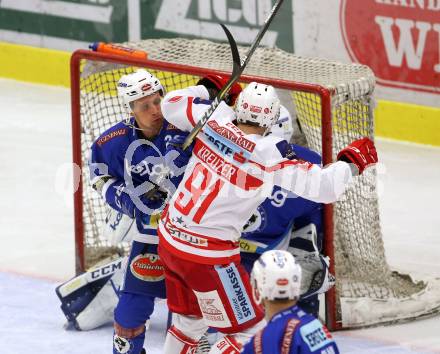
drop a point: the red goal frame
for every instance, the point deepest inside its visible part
(324, 93)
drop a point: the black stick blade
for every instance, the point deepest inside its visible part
(234, 51)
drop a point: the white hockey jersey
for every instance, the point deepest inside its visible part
(229, 174)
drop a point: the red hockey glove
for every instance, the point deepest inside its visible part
(214, 83)
(360, 152)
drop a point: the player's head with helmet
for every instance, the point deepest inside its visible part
(258, 105)
(283, 127)
(276, 277)
(141, 94)
(214, 83)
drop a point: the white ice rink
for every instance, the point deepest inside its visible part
(36, 228)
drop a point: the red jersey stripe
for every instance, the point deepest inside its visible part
(282, 165)
(189, 113)
(193, 257)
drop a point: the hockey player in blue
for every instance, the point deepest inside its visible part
(125, 163)
(276, 281)
(285, 221)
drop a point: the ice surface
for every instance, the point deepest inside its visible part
(36, 228)
(32, 322)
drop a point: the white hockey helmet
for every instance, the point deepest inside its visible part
(134, 86)
(276, 276)
(283, 127)
(258, 104)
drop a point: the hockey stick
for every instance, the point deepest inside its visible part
(235, 54)
(236, 72)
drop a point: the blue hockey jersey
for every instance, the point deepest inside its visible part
(271, 224)
(292, 331)
(128, 162)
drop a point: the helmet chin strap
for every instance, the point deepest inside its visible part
(130, 125)
(127, 122)
(267, 131)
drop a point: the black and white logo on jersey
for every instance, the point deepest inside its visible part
(257, 221)
(122, 345)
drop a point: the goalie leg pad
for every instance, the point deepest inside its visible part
(100, 309)
(316, 277)
(88, 299)
(144, 272)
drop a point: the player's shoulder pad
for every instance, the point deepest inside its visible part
(286, 150)
(306, 154)
(115, 131)
(265, 150)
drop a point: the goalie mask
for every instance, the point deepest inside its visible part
(259, 105)
(134, 86)
(276, 276)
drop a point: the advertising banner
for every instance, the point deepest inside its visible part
(398, 39)
(70, 24)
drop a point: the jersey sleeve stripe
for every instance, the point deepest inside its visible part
(286, 343)
(189, 113)
(282, 165)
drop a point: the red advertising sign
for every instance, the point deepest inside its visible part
(398, 39)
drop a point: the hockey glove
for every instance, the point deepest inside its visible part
(214, 83)
(362, 153)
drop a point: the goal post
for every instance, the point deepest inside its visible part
(333, 106)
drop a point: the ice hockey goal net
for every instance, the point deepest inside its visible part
(333, 105)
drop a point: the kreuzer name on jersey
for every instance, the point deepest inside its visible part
(215, 162)
(220, 166)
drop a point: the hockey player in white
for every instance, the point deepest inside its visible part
(231, 171)
(276, 282)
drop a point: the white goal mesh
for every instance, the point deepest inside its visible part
(367, 291)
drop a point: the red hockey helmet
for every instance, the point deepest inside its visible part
(217, 82)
